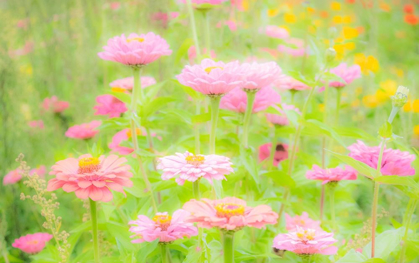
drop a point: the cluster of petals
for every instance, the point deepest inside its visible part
(347, 73)
(54, 105)
(32, 243)
(118, 139)
(281, 152)
(236, 100)
(83, 131)
(163, 227)
(12, 177)
(126, 84)
(302, 221)
(229, 213)
(289, 83)
(394, 162)
(109, 105)
(260, 75)
(295, 47)
(91, 177)
(281, 118)
(275, 32)
(135, 50)
(331, 175)
(189, 167)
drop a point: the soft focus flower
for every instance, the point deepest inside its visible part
(416, 130)
(281, 118)
(306, 241)
(12, 177)
(411, 106)
(192, 54)
(91, 177)
(39, 124)
(122, 85)
(135, 50)
(275, 32)
(40, 171)
(259, 75)
(281, 152)
(189, 167)
(229, 213)
(236, 100)
(32, 243)
(411, 19)
(409, 8)
(54, 105)
(295, 47)
(394, 162)
(348, 74)
(109, 105)
(83, 131)
(210, 77)
(303, 221)
(289, 83)
(119, 138)
(164, 18)
(163, 227)
(332, 174)
(367, 63)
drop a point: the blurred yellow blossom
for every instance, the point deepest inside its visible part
(273, 12)
(387, 89)
(385, 7)
(416, 130)
(290, 18)
(346, 19)
(26, 69)
(310, 10)
(337, 19)
(370, 101)
(350, 32)
(411, 106)
(367, 64)
(356, 103)
(335, 6)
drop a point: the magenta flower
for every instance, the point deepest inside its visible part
(125, 84)
(348, 74)
(12, 177)
(229, 213)
(259, 75)
(394, 162)
(32, 243)
(306, 241)
(91, 177)
(135, 50)
(162, 227)
(236, 100)
(54, 105)
(295, 47)
(302, 221)
(189, 167)
(289, 83)
(331, 175)
(275, 32)
(281, 152)
(211, 78)
(109, 105)
(83, 131)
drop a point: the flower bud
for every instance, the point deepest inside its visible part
(330, 54)
(400, 98)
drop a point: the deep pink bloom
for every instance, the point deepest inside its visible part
(260, 75)
(54, 105)
(303, 221)
(281, 118)
(306, 241)
(135, 50)
(236, 100)
(281, 152)
(91, 177)
(192, 54)
(83, 131)
(211, 78)
(348, 74)
(162, 227)
(128, 83)
(331, 175)
(189, 167)
(394, 162)
(32, 243)
(12, 177)
(40, 171)
(289, 83)
(229, 213)
(109, 105)
(275, 32)
(39, 124)
(294, 48)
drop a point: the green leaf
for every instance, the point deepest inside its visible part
(386, 131)
(361, 167)
(375, 260)
(201, 118)
(385, 243)
(395, 180)
(323, 130)
(281, 178)
(155, 105)
(352, 256)
(124, 97)
(249, 163)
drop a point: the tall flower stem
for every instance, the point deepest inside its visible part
(273, 149)
(251, 94)
(207, 32)
(228, 243)
(193, 25)
(196, 129)
(93, 215)
(338, 100)
(215, 105)
(322, 203)
(196, 192)
(324, 144)
(332, 205)
(165, 253)
(411, 207)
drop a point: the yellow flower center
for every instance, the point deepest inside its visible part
(163, 221)
(306, 234)
(209, 69)
(32, 242)
(139, 39)
(118, 89)
(195, 159)
(229, 210)
(88, 165)
(137, 131)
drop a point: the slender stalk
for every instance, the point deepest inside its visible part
(93, 216)
(165, 253)
(149, 139)
(207, 33)
(193, 25)
(196, 129)
(215, 104)
(410, 211)
(196, 192)
(332, 206)
(5, 257)
(322, 203)
(393, 114)
(228, 242)
(251, 94)
(338, 99)
(273, 150)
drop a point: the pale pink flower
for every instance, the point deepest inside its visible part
(128, 83)
(259, 75)
(115, 5)
(394, 162)
(40, 171)
(281, 118)
(281, 152)
(163, 227)
(84, 130)
(12, 177)
(39, 124)
(32, 243)
(192, 54)
(229, 213)
(135, 50)
(211, 78)
(294, 48)
(54, 105)
(331, 175)
(164, 18)
(109, 105)
(275, 32)
(303, 221)
(289, 83)
(189, 167)
(306, 241)
(348, 74)
(91, 177)
(236, 100)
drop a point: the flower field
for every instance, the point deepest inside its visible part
(209, 131)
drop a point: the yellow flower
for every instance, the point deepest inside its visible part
(370, 101)
(387, 89)
(416, 130)
(318, 22)
(350, 32)
(245, 5)
(355, 103)
(273, 12)
(335, 6)
(340, 50)
(385, 7)
(367, 64)
(290, 18)
(411, 106)
(350, 46)
(346, 19)
(337, 19)
(26, 69)
(310, 10)
(321, 107)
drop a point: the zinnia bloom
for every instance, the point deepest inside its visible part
(289, 83)
(135, 50)
(32, 243)
(331, 175)
(229, 213)
(275, 32)
(119, 138)
(306, 241)
(348, 74)
(394, 162)
(54, 105)
(236, 100)
(125, 84)
(211, 78)
(163, 227)
(109, 105)
(40, 171)
(281, 152)
(91, 177)
(189, 167)
(302, 221)
(259, 75)
(294, 48)
(83, 131)
(12, 177)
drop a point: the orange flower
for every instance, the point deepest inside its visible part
(411, 19)
(409, 8)
(370, 101)
(350, 1)
(324, 14)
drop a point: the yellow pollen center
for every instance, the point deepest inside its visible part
(209, 69)
(195, 159)
(89, 164)
(137, 131)
(118, 89)
(163, 221)
(229, 210)
(306, 234)
(32, 242)
(139, 39)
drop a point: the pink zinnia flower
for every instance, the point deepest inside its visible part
(135, 50)
(229, 213)
(294, 48)
(306, 241)
(281, 118)
(164, 18)
(124, 84)
(192, 54)
(109, 105)
(259, 75)
(302, 221)
(91, 177)
(40, 171)
(394, 162)
(39, 124)
(163, 227)
(289, 83)
(12, 177)
(189, 167)
(236, 100)
(32, 243)
(54, 105)
(281, 152)
(211, 78)
(331, 175)
(275, 32)
(119, 138)
(348, 74)
(83, 131)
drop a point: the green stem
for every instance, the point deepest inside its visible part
(215, 104)
(338, 99)
(228, 247)
(410, 211)
(393, 114)
(193, 25)
(196, 129)
(332, 206)
(322, 203)
(207, 33)
(273, 150)
(251, 94)
(93, 216)
(196, 192)
(149, 139)
(165, 253)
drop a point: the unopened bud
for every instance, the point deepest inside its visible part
(400, 98)
(330, 54)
